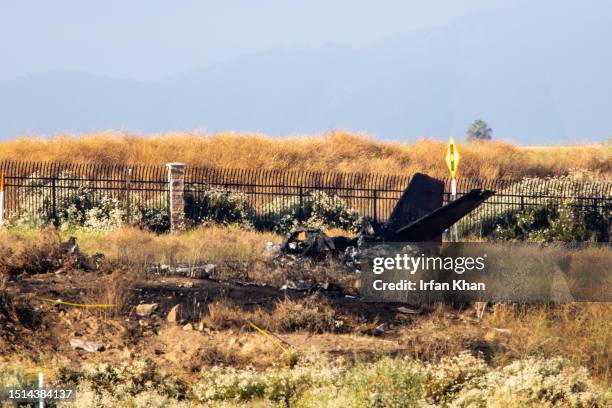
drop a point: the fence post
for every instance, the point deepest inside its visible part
(128, 198)
(301, 211)
(595, 214)
(375, 195)
(54, 194)
(176, 183)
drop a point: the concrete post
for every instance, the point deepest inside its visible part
(176, 182)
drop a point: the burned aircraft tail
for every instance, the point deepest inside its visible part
(423, 195)
(430, 226)
(419, 214)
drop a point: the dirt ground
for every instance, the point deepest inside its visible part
(212, 328)
(46, 329)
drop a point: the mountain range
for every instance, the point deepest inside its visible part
(538, 74)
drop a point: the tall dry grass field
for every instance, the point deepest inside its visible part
(337, 151)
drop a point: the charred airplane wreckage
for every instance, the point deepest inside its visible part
(419, 216)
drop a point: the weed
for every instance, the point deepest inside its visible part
(313, 314)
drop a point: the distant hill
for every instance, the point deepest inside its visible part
(538, 76)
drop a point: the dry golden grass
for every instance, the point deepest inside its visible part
(113, 290)
(313, 314)
(337, 151)
(579, 332)
(135, 248)
(28, 251)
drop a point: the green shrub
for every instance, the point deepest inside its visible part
(13, 376)
(80, 208)
(566, 222)
(390, 382)
(532, 383)
(318, 381)
(318, 210)
(280, 385)
(151, 217)
(219, 205)
(444, 380)
(531, 209)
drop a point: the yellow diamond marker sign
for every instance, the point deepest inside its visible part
(452, 158)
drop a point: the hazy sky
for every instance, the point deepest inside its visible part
(536, 70)
(150, 39)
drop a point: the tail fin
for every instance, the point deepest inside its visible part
(423, 195)
(430, 226)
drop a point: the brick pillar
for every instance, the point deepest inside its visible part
(176, 182)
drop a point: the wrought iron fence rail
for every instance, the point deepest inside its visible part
(308, 193)
(372, 195)
(98, 187)
(542, 198)
(204, 184)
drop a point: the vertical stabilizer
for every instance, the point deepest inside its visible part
(423, 195)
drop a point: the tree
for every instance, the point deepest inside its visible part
(479, 130)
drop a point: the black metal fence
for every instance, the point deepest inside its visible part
(46, 188)
(46, 185)
(271, 191)
(590, 199)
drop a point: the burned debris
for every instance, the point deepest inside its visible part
(419, 216)
(315, 243)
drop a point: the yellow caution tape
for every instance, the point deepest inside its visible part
(274, 340)
(59, 302)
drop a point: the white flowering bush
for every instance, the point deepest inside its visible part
(444, 380)
(532, 383)
(151, 216)
(87, 398)
(79, 211)
(124, 381)
(36, 203)
(27, 219)
(533, 210)
(11, 376)
(219, 205)
(466, 381)
(280, 385)
(77, 206)
(105, 215)
(317, 210)
(564, 221)
(318, 381)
